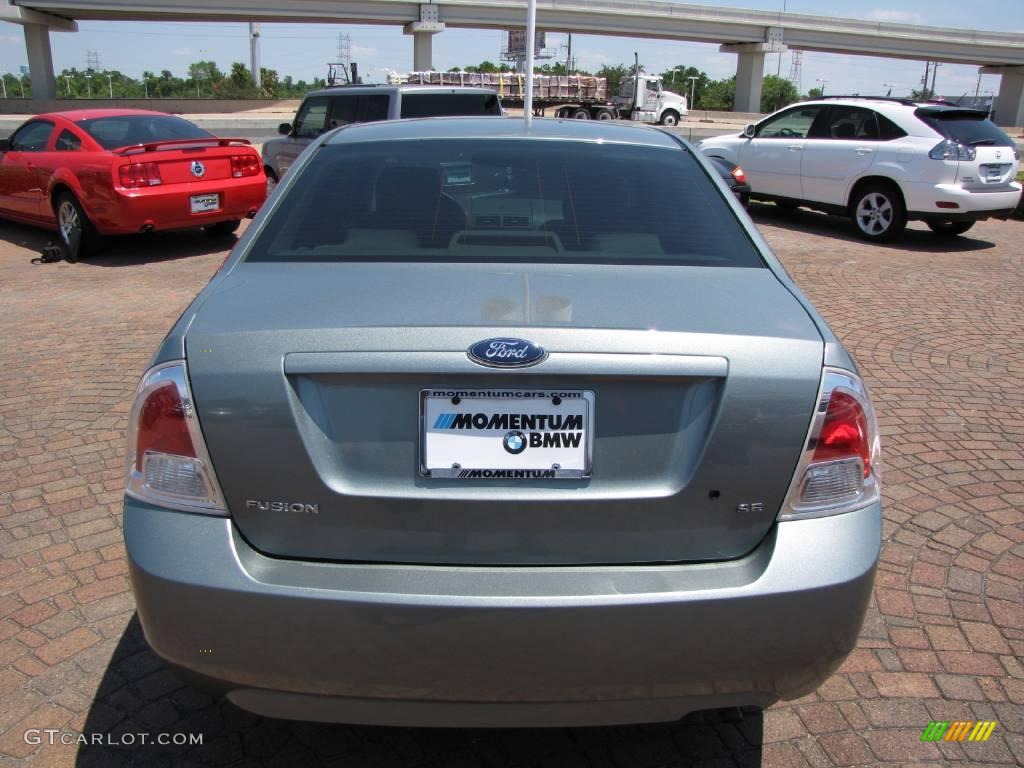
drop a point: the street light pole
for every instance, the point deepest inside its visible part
(3, 82)
(88, 85)
(21, 84)
(110, 85)
(693, 82)
(67, 79)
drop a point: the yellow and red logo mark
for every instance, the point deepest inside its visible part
(958, 730)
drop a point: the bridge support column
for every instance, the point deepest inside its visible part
(423, 32)
(40, 61)
(750, 69)
(1009, 111)
(749, 78)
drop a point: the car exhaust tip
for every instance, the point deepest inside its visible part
(147, 228)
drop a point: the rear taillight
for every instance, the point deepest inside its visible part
(739, 175)
(167, 460)
(952, 150)
(839, 466)
(244, 165)
(139, 175)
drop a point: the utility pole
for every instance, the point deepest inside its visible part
(568, 57)
(345, 55)
(822, 81)
(978, 86)
(254, 53)
(3, 82)
(21, 84)
(924, 82)
(935, 71)
(693, 84)
(92, 60)
(145, 84)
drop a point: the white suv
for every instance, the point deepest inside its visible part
(879, 161)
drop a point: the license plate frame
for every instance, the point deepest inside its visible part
(491, 458)
(204, 203)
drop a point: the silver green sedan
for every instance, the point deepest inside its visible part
(487, 425)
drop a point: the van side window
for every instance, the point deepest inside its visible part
(343, 110)
(312, 118)
(373, 107)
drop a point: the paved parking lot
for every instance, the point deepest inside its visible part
(937, 325)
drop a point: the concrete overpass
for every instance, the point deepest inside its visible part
(749, 34)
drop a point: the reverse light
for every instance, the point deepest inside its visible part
(839, 467)
(167, 460)
(139, 175)
(244, 165)
(952, 150)
(739, 175)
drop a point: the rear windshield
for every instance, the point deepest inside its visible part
(126, 130)
(501, 201)
(967, 128)
(449, 104)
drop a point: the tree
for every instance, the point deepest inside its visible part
(922, 95)
(677, 80)
(776, 93)
(815, 93)
(719, 95)
(270, 85)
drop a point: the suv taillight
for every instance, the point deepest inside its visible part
(244, 165)
(952, 150)
(140, 175)
(839, 467)
(167, 460)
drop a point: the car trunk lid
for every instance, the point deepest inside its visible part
(308, 381)
(190, 161)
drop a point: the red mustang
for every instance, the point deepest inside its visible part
(94, 172)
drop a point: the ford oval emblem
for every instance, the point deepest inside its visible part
(506, 353)
(198, 169)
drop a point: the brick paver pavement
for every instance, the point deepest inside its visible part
(937, 326)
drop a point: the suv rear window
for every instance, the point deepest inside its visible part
(125, 130)
(506, 200)
(449, 104)
(966, 127)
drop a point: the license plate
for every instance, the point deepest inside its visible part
(994, 172)
(506, 434)
(204, 203)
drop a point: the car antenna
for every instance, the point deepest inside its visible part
(531, 35)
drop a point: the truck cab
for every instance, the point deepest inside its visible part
(643, 99)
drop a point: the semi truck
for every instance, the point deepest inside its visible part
(641, 98)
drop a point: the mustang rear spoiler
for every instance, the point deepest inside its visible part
(151, 146)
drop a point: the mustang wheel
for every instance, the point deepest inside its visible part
(950, 228)
(878, 212)
(75, 227)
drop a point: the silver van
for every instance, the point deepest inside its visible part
(333, 107)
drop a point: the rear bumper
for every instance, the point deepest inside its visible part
(168, 207)
(468, 646)
(922, 202)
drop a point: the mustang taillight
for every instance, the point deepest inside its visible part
(244, 165)
(139, 175)
(739, 175)
(839, 466)
(168, 463)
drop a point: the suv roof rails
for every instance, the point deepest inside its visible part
(894, 99)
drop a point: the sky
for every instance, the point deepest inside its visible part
(303, 50)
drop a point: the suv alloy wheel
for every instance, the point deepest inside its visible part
(878, 212)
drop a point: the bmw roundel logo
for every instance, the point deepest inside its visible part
(514, 442)
(506, 353)
(198, 169)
